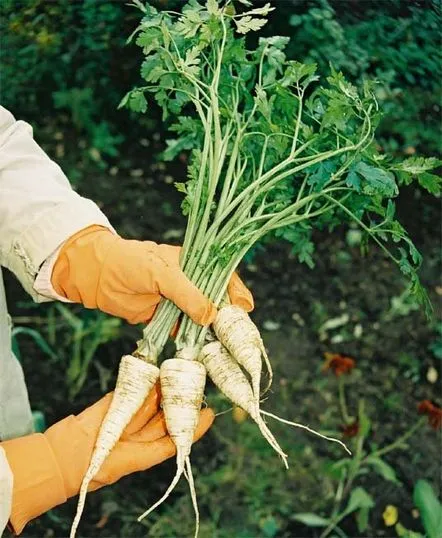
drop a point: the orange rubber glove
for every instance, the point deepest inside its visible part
(127, 278)
(48, 468)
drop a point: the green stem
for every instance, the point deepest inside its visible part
(353, 471)
(229, 174)
(332, 525)
(195, 209)
(400, 440)
(342, 400)
(268, 181)
(298, 124)
(363, 226)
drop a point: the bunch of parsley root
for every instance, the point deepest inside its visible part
(271, 151)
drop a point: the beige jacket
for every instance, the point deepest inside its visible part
(38, 212)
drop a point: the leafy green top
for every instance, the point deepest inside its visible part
(271, 150)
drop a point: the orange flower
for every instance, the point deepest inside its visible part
(350, 430)
(339, 364)
(433, 412)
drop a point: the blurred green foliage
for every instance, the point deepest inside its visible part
(66, 63)
(62, 63)
(397, 43)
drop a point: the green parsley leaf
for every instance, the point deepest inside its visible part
(430, 182)
(136, 101)
(248, 24)
(377, 180)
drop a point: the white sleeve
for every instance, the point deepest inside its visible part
(38, 208)
(6, 483)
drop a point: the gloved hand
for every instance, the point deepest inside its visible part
(48, 468)
(127, 278)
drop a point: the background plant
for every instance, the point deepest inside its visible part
(395, 42)
(353, 499)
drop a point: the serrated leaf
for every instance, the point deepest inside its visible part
(248, 24)
(189, 24)
(166, 34)
(264, 10)
(212, 7)
(138, 4)
(276, 59)
(264, 104)
(148, 40)
(416, 256)
(430, 182)
(391, 209)
(168, 80)
(176, 146)
(339, 110)
(124, 101)
(305, 254)
(192, 6)
(137, 102)
(417, 165)
(192, 56)
(277, 41)
(300, 237)
(162, 99)
(312, 520)
(353, 180)
(404, 265)
(191, 62)
(377, 180)
(176, 104)
(298, 73)
(155, 74)
(397, 230)
(338, 80)
(180, 187)
(320, 174)
(150, 64)
(185, 124)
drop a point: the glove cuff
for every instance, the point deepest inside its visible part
(38, 483)
(77, 270)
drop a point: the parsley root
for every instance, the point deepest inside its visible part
(232, 382)
(135, 380)
(237, 332)
(182, 388)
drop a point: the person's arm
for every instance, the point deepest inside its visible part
(39, 213)
(38, 208)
